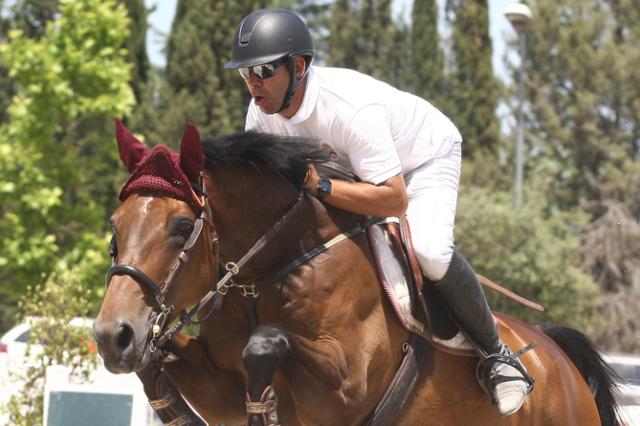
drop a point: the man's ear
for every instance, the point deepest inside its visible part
(301, 66)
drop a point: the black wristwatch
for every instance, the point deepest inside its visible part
(323, 189)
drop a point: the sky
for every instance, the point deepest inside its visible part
(500, 29)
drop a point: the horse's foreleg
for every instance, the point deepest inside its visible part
(216, 394)
(165, 399)
(267, 348)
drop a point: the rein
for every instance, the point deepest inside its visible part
(221, 287)
(159, 333)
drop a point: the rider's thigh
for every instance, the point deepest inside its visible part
(433, 195)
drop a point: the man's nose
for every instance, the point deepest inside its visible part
(254, 80)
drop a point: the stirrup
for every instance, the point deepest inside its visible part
(484, 367)
(266, 408)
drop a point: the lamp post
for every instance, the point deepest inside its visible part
(520, 17)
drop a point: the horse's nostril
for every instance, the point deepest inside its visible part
(124, 336)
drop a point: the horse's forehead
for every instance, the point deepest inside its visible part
(151, 210)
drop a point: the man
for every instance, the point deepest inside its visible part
(406, 152)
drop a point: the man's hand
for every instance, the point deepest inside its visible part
(311, 180)
(388, 198)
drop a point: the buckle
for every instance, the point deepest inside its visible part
(248, 290)
(223, 289)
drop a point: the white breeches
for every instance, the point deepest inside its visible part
(433, 195)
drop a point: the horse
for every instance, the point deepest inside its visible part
(312, 343)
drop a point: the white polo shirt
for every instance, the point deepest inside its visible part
(376, 130)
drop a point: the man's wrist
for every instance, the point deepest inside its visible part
(323, 188)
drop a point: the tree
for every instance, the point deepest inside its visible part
(137, 45)
(427, 57)
(399, 63)
(195, 85)
(64, 343)
(363, 37)
(32, 16)
(57, 159)
(583, 111)
(317, 14)
(342, 50)
(473, 87)
(533, 251)
(584, 124)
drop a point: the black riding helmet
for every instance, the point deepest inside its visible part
(268, 35)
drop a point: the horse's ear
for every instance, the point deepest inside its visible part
(131, 149)
(191, 156)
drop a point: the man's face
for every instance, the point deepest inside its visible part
(268, 93)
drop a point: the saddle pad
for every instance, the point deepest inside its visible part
(393, 277)
(393, 273)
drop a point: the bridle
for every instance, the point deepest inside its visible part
(159, 331)
(162, 311)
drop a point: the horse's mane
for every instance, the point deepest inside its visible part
(287, 155)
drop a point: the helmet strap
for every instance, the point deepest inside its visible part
(293, 83)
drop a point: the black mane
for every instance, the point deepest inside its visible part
(287, 155)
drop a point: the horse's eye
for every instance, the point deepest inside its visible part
(185, 227)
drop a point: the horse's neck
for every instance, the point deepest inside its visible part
(247, 203)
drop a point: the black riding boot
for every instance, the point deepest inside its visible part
(466, 301)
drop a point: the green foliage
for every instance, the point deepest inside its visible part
(32, 16)
(473, 86)
(344, 27)
(534, 251)
(584, 95)
(62, 343)
(196, 87)
(136, 45)
(56, 155)
(318, 16)
(427, 57)
(364, 37)
(584, 126)
(610, 252)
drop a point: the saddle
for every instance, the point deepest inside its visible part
(401, 277)
(413, 300)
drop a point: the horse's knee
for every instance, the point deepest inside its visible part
(267, 344)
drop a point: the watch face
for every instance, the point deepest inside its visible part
(324, 188)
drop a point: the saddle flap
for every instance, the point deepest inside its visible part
(402, 281)
(393, 271)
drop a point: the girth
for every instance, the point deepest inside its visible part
(403, 382)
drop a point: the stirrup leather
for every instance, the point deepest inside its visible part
(483, 370)
(266, 408)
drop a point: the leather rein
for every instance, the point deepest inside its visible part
(159, 332)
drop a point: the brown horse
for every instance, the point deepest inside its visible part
(324, 339)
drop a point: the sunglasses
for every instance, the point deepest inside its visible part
(261, 71)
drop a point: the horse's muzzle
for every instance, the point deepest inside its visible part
(121, 348)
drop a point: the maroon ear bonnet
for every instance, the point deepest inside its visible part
(158, 171)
